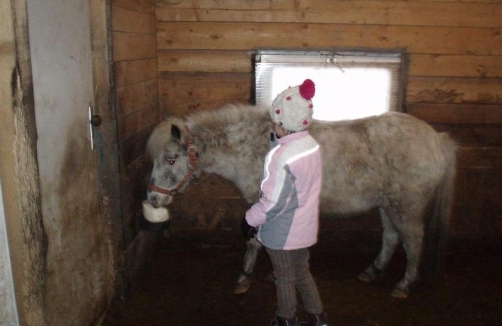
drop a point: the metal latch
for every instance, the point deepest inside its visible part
(94, 122)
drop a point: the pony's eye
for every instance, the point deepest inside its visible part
(170, 161)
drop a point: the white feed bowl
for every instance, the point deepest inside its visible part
(155, 215)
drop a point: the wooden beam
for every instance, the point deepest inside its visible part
(183, 94)
(130, 46)
(457, 113)
(204, 61)
(138, 120)
(135, 71)
(474, 135)
(137, 5)
(143, 22)
(248, 36)
(435, 65)
(136, 97)
(454, 90)
(342, 12)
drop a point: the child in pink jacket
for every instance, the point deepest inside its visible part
(287, 214)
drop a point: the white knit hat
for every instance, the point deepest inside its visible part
(292, 109)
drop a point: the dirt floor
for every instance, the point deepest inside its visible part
(191, 280)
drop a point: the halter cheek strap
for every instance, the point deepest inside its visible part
(192, 167)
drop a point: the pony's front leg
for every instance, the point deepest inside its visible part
(244, 281)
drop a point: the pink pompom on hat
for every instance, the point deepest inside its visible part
(292, 109)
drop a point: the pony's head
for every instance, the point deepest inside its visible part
(174, 157)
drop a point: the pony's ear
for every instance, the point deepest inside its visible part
(175, 133)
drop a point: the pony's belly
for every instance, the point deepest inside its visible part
(344, 207)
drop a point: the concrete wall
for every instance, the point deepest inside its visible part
(79, 271)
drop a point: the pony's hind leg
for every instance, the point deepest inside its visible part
(390, 240)
(407, 226)
(244, 280)
(413, 236)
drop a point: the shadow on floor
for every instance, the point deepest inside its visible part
(191, 282)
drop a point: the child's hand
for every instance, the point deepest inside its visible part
(247, 230)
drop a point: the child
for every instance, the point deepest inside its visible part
(287, 214)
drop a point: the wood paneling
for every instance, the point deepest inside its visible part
(346, 12)
(433, 65)
(135, 66)
(248, 36)
(428, 65)
(185, 93)
(472, 134)
(286, 4)
(130, 46)
(122, 18)
(138, 120)
(205, 61)
(454, 90)
(135, 71)
(136, 97)
(481, 114)
(144, 6)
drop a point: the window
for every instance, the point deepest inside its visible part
(349, 84)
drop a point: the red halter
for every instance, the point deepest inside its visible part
(192, 167)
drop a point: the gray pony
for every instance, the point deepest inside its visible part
(393, 162)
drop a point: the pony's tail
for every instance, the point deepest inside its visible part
(441, 215)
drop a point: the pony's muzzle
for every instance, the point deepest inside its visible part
(159, 200)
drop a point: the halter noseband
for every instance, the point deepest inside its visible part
(192, 167)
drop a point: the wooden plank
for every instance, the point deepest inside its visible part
(181, 107)
(138, 120)
(136, 97)
(454, 90)
(281, 4)
(128, 46)
(135, 71)
(347, 12)
(134, 182)
(477, 208)
(419, 64)
(133, 148)
(473, 134)
(246, 36)
(137, 5)
(206, 86)
(183, 94)
(480, 157)
(204, 61)
(228, 4)
(457, 113)
(130, 21)
(455, 65)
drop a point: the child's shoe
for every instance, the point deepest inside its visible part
(279, 321)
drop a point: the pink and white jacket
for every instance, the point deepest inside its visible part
(287, 212)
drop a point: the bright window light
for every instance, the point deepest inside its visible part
(354, 86)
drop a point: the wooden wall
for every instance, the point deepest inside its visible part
(135, 80)
(454, 54)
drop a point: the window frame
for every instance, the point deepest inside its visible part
(271, 58)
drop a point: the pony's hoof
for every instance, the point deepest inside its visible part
(241, 288)
(400, 293)
(365, 277)
(243, 284)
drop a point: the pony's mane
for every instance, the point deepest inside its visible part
(229, 114)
